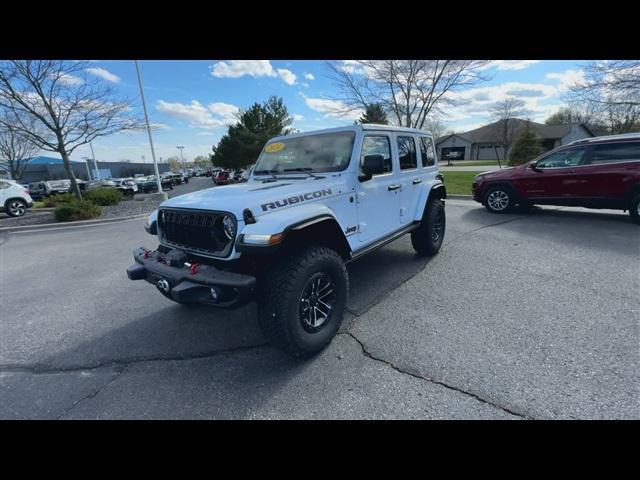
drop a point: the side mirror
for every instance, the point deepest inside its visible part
(534, 166)
(372, 165)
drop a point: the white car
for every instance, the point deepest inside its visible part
(313, 202)
(14, 198)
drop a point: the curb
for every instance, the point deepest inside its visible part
(81, 223)
(459, 197)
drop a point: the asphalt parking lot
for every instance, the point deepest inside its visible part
(518, 317)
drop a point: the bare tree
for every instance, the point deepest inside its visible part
(16, 150)
(409, 90)
(612, 90)
(69, 108)
(504, 129)
(436, 127)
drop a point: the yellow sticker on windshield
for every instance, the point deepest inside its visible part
(274, 147)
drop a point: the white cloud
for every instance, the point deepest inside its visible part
(226, 111)
(199, 116)
(287, 76)
(513, 64)
(332, 108)
(67, 79)
(297, 117)
(104, 74)
(567, 78)
(239, 68)
(309, 76)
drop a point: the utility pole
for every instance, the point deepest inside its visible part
(95, 164)
(181, 147)
(161, 194)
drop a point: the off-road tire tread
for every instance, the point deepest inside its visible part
(421, 236)
(275, 296)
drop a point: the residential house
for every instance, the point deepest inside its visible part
(484, 143)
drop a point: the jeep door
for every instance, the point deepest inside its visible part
(613, 168)
(409, 175)
(378, 199)
(556, 177)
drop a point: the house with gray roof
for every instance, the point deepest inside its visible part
(484, 143)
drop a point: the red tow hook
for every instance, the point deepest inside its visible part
(147, 253)
(194, 268)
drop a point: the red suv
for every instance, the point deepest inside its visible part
(222, 178)
(600, 172)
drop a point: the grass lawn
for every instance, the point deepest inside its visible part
(473, 163)
(459, 183)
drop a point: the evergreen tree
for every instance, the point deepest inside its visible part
(374, 113)
(244, 141)
(525, 148)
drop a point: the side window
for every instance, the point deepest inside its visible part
(377, 145)
(407, 153)
(565, 158)
(616, 152)
(426, 152)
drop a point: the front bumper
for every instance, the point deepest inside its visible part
(202, 284)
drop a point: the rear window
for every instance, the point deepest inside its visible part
(616, 152)
(407, 153)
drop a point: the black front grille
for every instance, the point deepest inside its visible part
(195, 231)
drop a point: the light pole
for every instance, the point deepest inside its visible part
(95, 163)
(161, 194)
(181, 147)
(86, 164)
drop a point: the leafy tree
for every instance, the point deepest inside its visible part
(244, 141)
(374, 113)
(525, 148)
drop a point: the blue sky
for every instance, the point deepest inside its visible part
(191, 102)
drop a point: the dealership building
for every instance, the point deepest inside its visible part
(50, 168)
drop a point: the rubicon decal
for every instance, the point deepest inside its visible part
(295, 199)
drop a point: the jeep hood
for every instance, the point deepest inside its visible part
(253, 195)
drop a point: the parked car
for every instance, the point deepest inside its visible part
(246, 174)
(149, 184)
(313, 202)
(127, 186)
(44, 189)
(599, 172)
(14, 198)
(222, 178)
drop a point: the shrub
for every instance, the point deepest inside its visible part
(76, 210)
(526, 147)
(104, 196)
(58, 199)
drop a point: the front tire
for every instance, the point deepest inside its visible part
(634, 209)
(427, 238)
(16, 207)
(303, 300)
(499, 200)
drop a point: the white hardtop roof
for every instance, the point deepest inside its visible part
(355, 128)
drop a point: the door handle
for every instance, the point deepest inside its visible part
(417, 181)
(393, 187)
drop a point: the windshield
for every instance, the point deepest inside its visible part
(328, 152)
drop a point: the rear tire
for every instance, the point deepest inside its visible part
(302, 301)
(15, 207)
(499, 199)
(634, 209)
(427, 238)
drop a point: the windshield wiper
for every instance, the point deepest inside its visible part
(268, 172)
(306, 170)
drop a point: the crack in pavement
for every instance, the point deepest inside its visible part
(39, 369)
(368, 354)
(119, 371)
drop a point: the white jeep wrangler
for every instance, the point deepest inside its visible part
(313, 202)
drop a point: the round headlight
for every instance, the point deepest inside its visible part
(229, 227)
